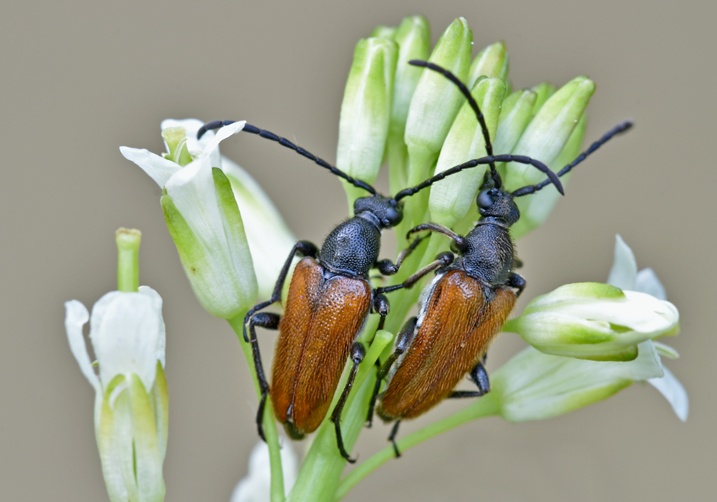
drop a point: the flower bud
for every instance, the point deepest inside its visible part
(206, 226)
(413, 37)
(515, 114)
(131, 400)
(451, 199)
(595, 321)
(535, 386)
(543, 92)
(365, 112)
(491, 62)
(544, 139)
(387, 32)
(436, 100)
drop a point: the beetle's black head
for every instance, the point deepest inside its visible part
(497, 203)
(387, 212)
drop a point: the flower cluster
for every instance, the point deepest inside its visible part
(587, 340)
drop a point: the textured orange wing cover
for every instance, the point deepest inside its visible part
(458, 326)
(320, 323)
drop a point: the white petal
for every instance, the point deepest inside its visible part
(624, 268)
(195, 146)
(674, 392)
(162, 342)
(125, 334)
(76, 316)
(647, 282)
(220, 136)
(158, 168)
(256, 487)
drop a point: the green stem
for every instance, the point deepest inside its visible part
(128, 240)
(272, 437)
(321, 471)
(486, 406)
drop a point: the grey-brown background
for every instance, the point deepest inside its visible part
(80, 79)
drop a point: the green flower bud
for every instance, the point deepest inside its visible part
(595, 321)
(491, 62)
(535, 386)
(515, 115)
(544, 139)
(365, 112)
(436, 100)
(387, 32)
(452, 199)
(413, 37)
(543, 91)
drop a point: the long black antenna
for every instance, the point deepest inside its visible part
(472, 102)
(618, 129)
(217, 124)
(521, 159)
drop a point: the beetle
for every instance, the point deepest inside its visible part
(467, 302)
(329, 300)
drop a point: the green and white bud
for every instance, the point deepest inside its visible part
(515, 115)
(595, 321)
(413, 37)
(544, 139)
(387, 32)
(436, 100)
(131, 399)
(365, 112)
(490, 62)
(535, 386)
(204, 221)
(543, 92)
(453, 198)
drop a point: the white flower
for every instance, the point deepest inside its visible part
(204, 220)
(256, 486)
(624, 274)
(131, 404)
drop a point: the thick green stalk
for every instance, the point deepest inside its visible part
(485, 406)
(128, 259)
(272, 438)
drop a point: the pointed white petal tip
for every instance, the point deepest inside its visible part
(76, 316)
(624, 268)
(671, 388)
(158, 168)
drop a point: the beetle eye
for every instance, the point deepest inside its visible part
(484, 200)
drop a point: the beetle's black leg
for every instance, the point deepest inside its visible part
(386, 267)
(381, 307)
(268, 321)
(357, 354)
(304, 248)
(517, 282)
(442, 260)
(478, 376)
(403, 341)
(392, 438)
(459, 241)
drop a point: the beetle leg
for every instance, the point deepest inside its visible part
(268, 321)
(403, 341)
(517, 282)
(381, 307)
(478, 376)
(459, 241)
(386, 267)
(305, 248)
(392, 438)
(442, 260)
(357, 354)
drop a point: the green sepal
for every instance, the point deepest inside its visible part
(148, 457)
(490, 62)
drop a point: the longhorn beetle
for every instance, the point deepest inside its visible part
(329, 301)
(468, 301)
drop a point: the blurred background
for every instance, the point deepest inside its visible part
(79, 79)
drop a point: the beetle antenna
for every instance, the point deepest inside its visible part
(217, 124)
(520, 159)
(472, 102)
(618, 129)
